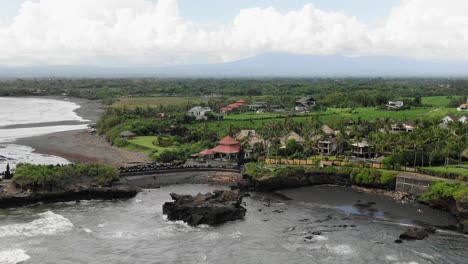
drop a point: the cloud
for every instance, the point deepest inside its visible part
(126, 32)
(427, 29)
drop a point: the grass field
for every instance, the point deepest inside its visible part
(459, 169)
(439, 101)
(256, 121)
(145, 144)
(155, 101)
(372, 113)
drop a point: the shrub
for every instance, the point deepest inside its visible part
(50, 175)
(441, 190)
(387, 177)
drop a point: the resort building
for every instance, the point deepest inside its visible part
(199, 112)
(394, 105)
(462, 108)
(234, 106)
(363, 149)
(449, 118)
(248, 139)
(228, 149)
(463, 119)
(305, 103)
(406, 126)
(327, 146)
(127, 135)
(292, 135)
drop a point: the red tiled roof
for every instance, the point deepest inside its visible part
(205, 152)
(228, 141)
(240, 101)
(226, 109)
(226, 149)
(233, 105)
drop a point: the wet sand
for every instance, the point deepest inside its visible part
(79, 145)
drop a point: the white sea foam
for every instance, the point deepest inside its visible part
(36, 110)
(9, 135)
(236, 234)
(87, 230)
(340, 249)
(48, 223)
(391, 257)
(13, 154)
(13, 256)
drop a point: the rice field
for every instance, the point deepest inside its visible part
(156, 101)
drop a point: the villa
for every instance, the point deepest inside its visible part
(327, 146)
(305, 103)
(394, 105)
(462, 108)
(199, 112)
(363, 149)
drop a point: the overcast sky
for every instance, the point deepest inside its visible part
(167, 32)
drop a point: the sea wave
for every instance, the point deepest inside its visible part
(48, 223)
(13, 256)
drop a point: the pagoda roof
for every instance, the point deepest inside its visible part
(228, 141)
(232, 149)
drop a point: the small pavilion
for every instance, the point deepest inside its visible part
(228, 148)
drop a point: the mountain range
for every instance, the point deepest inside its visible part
(266, 65)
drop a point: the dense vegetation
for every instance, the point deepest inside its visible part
(50, 176)
(444, 190)
(331, 92)
(359, 176)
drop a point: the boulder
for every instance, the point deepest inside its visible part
(417, 234)
(210, 209)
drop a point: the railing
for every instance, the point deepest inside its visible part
(161, 168)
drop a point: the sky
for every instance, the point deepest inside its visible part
(171, 32)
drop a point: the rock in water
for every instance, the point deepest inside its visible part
(417, 234)
(211, 208)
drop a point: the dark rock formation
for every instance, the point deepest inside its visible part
(18, 199)
(211, 208)
(417, 234)
(284, 182)
(457, 208)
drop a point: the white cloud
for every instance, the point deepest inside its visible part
(144, 32)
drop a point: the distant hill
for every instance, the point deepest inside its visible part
(267, 65)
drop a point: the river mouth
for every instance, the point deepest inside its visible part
(275, 230)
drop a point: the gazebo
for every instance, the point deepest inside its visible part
(204, 154)
(228, 148)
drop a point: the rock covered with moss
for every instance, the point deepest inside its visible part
(210, 209)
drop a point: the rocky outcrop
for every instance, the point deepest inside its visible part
(417, 234)
(457, 208)
(300, 180)
(211, 208)
(18, 199)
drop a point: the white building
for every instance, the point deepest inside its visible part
(199, 112)
(395, 105)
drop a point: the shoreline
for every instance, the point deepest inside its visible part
(79, 145)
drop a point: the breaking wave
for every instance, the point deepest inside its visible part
(48, 223)
(13, 256)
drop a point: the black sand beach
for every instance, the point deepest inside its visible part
(79, 145)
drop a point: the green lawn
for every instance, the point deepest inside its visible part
(459, 169)
(439, 101)
(251, 115)
(145, 144)
(373, 113)
(254, 121)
